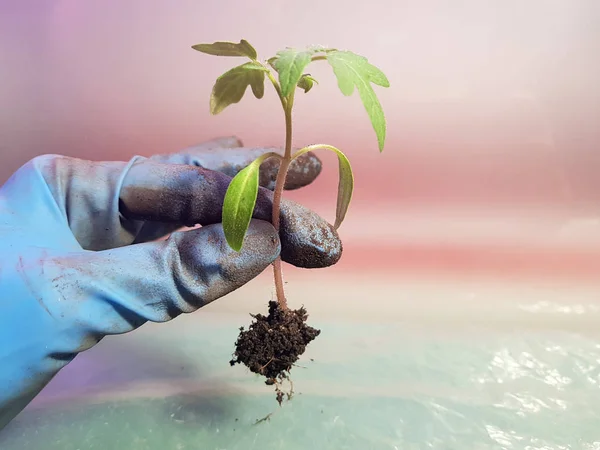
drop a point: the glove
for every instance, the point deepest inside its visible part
(80, 258)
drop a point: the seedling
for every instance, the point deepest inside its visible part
(273, 343)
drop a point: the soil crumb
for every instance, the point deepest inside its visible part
(273, 343)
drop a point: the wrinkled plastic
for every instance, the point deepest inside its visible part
(451, 365)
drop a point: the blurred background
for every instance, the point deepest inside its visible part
(492, 110)
(481, 214)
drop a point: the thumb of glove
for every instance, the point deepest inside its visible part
(68, 302)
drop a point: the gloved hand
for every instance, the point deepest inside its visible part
(80, 260)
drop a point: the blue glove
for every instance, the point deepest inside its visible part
(80, 260)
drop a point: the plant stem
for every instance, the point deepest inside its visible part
(279, 185)
(287, 104)
(283, 168)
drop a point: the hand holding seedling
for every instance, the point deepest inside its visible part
(274, 343)
(79, 258)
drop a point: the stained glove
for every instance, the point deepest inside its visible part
(81, 258)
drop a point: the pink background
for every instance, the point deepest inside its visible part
(492, 113)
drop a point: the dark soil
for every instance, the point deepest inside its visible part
(273, 344)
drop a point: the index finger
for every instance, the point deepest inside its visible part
(228, 155)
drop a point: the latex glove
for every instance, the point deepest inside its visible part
(79, 258)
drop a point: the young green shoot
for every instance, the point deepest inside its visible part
(286, 72)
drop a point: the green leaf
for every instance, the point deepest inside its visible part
(231, 86)
(321, 49)
(228, 49)
(290, 64)
(240, 200)
(306, 82)
(352, 70)
(346, 180)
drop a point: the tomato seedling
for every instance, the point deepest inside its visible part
(274, 343)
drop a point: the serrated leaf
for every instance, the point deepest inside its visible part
(243, 48)
(352, 70)
(321, 48)
(312, 49)
(306, 82)
(239, 202)
(290, 64)
(231, 86)
(345, 184)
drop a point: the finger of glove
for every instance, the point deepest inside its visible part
(188, 195)
(86, 193)
(116, 291)
(231, 159)
(228, 156)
